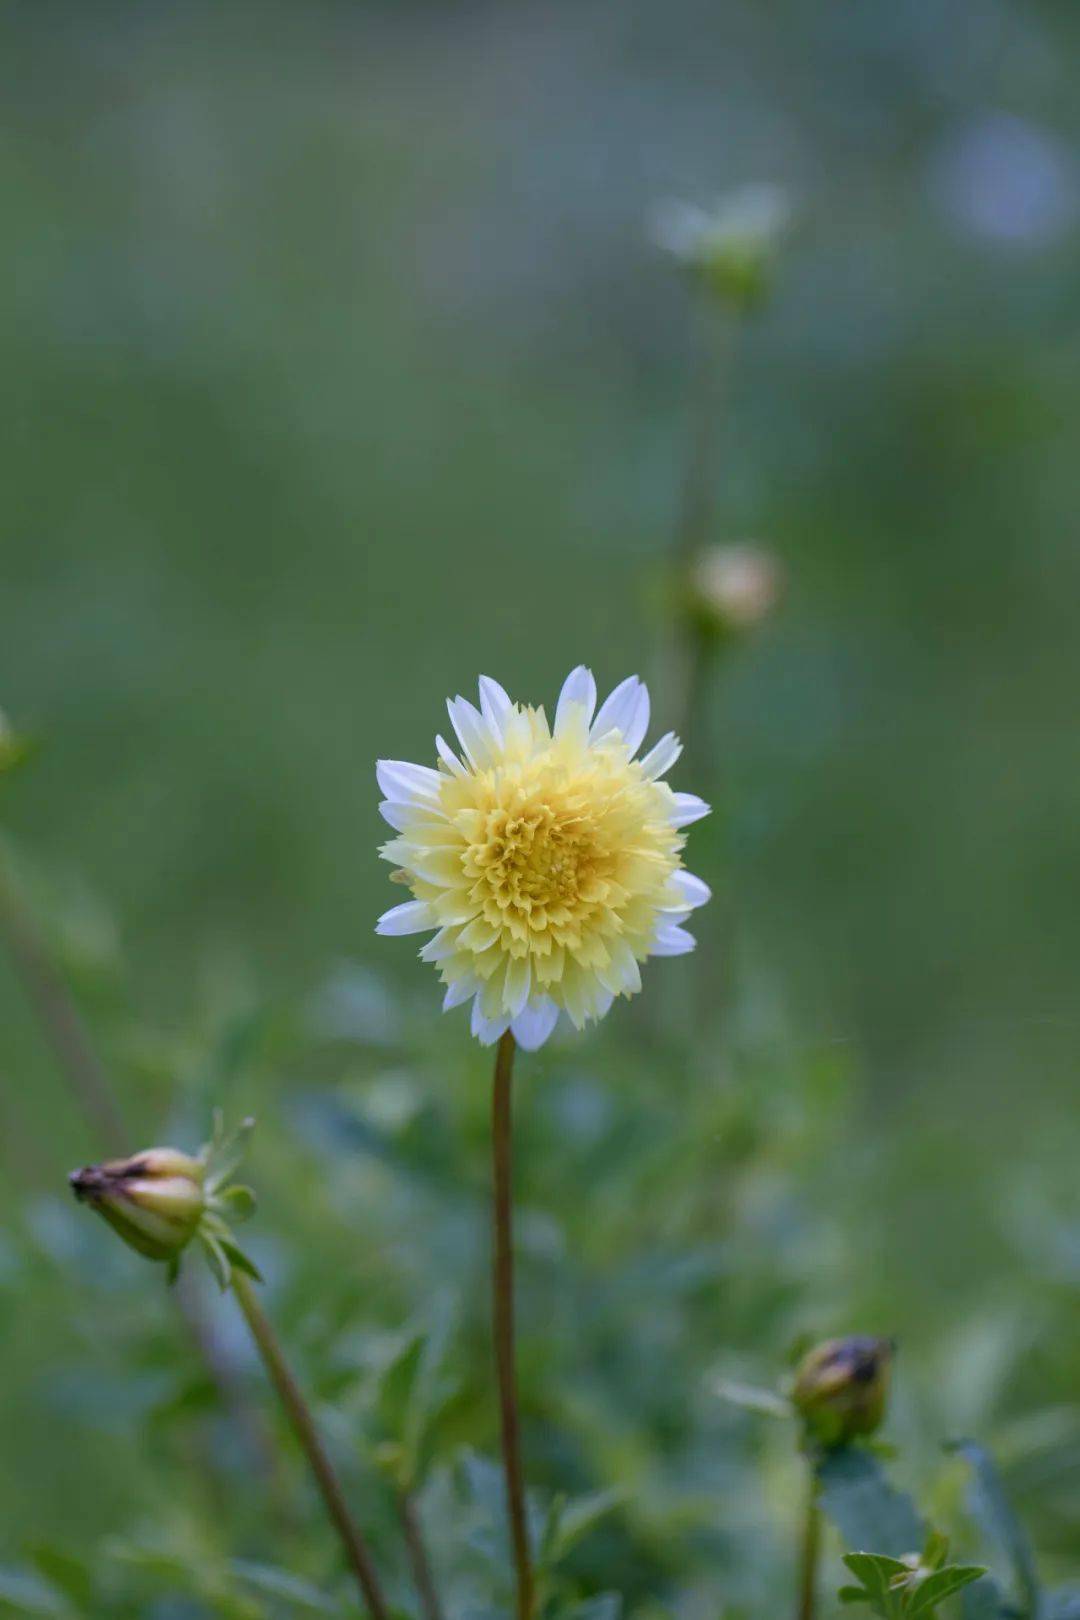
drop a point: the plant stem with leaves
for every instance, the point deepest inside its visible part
(503, 1322)
(303, 1424)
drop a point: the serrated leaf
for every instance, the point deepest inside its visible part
(857, 1498)
(941, 1585)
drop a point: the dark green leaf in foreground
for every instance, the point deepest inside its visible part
(868, 1511)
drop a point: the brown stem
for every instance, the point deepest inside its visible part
(419, 1563)
(809, 1552)
(303, 1424)
(503, 1321)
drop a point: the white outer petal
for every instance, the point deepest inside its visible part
(662, 757)
(442, 945)
(578, 687)
(495, 705)
(672, 940)
(472, 731)
(617, 709)
(634, 731)
(689, 808)
(449, 758)
(396, 813)
(533, 1026)
(692, 889)
(401, 781)
(411, 918)
(603, 1004)
(459, 992)
(487, 1030)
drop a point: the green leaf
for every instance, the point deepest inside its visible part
(752, 1399)
(868, 1511)
(240, 1260)
(940, 1585)
(239, 1201)
(936, 1551)
(853, 1594)
(69, 1574)
(876, 1573)
(281, 1583)
(26, 1593)
(992, 1508)
(218, 1260)
(572, 1521)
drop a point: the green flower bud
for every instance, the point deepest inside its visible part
(154, 1200)
(841, 1388)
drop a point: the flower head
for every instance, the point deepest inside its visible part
(547, 858)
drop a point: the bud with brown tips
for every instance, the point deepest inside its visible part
(160, 1199)
(841, 1387)
(154, 1199)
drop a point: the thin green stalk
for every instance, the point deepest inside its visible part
(299, 1415)
(65, 1030)
(419, 1562)
(503, 1321)
(809, 1552)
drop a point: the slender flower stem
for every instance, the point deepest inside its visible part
(419, 1563)
(303, 1424)
(503, 1321)
(809, 1552)
(699, 483)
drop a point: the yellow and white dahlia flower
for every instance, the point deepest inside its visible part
(547, 858)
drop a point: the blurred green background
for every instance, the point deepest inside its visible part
(341, 367)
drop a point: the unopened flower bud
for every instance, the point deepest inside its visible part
(841, 1387)
(733, 588)
(154, 1199)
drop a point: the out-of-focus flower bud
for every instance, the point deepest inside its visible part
(841, 1388)
(732, 247)
(733, 588)
(155, 1199)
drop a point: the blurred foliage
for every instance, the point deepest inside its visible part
(342, 364)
